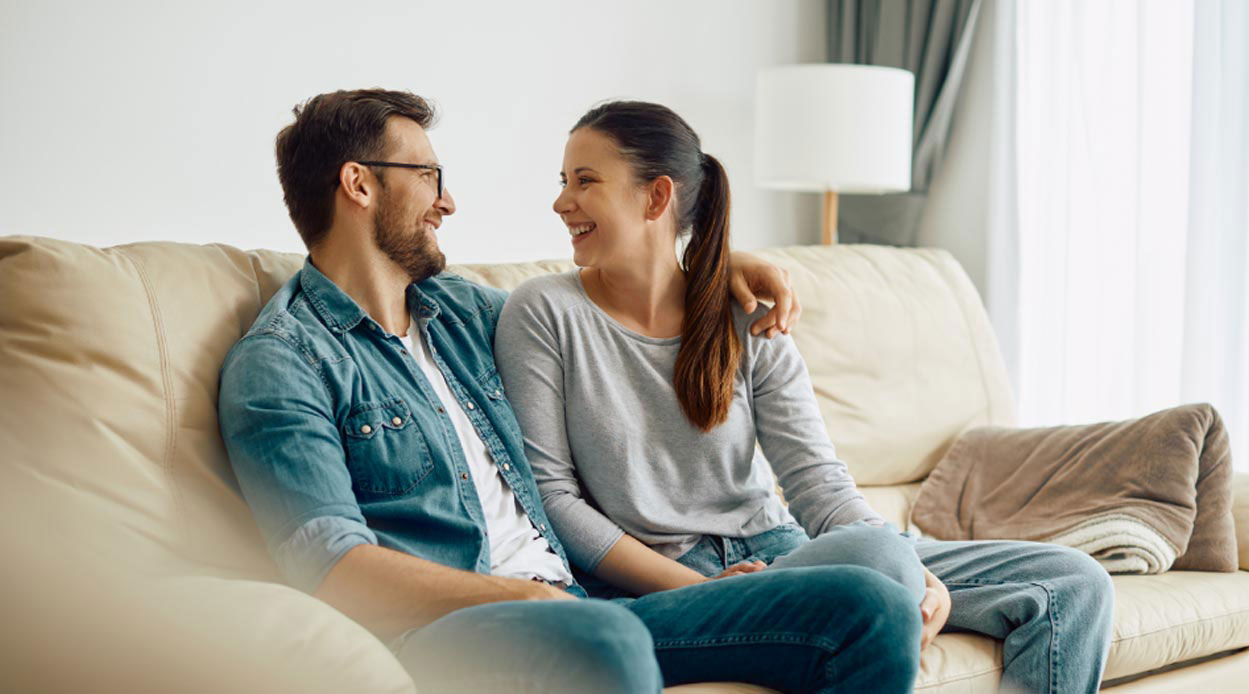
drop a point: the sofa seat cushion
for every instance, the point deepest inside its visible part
(1177, 616)
(1159, 621)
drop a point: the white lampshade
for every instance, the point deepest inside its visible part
(832, 127)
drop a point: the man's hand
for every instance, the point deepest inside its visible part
(753, 279)
(527, 589)
(746, 567)
(935, 607)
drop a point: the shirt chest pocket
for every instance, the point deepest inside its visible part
(386, 453)
(492, 385)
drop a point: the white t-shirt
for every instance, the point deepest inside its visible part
(517, 549)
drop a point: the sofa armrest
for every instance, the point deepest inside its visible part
(180, 632)
(1240, 511)
(286, 639)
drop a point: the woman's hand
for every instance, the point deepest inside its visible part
(935, 607)
(752, 279)
(746, 567)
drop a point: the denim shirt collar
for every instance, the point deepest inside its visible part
(340, 312)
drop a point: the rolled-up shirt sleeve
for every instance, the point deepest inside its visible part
(277, 420)
(817, 484)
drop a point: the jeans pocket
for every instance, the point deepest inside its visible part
(705, 557)
(778, 541)
(386, 452)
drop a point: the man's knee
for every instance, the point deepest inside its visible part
(890, 626)
(609, 640)
(558, 646)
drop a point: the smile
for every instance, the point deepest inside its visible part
(581, 229)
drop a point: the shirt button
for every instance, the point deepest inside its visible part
(506, 467)
(396, 421)
(470, 406)
(366, 429)
(542, 527)
(441, 411)
(497, 392)
(463, 475)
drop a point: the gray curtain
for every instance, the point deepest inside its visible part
(932, 39)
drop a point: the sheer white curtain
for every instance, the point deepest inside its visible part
(1126, 176)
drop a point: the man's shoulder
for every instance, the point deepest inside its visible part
(461, 296)
(284, 328)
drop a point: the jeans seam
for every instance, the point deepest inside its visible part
(785, 638)
(791, 638)
(1051, 609)
(1052, 600)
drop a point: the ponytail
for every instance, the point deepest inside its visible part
(657, 142)
(710, 351)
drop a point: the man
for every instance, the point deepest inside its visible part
(367, 425)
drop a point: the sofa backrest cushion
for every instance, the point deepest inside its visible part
(111, 358)
(900, 351)
(109, 369)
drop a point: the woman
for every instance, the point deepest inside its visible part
(650, 475)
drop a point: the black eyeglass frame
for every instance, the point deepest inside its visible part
(398, 165)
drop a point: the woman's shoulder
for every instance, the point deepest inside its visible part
(758, 348)
(743, 320)
(545, 294)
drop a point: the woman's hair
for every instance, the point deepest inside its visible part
(657, 142)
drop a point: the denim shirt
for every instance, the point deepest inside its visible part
(337, 438)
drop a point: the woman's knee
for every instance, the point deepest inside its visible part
(880, 548)
(1084, 581)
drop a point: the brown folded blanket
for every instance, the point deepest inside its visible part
(1142, 496)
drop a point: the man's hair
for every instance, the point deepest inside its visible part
(329, 131)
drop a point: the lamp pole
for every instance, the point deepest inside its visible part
(829, 236)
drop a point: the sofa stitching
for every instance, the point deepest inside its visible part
(960, 678)
(171, 412)
(1172, 627)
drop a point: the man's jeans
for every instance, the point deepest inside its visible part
(815, 630)
(557, 647)
(1052, 606)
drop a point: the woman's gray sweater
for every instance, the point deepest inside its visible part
(614, 453)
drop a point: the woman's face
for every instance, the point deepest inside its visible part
(602, 205)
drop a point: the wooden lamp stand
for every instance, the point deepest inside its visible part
(830, 218)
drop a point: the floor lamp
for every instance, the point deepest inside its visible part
(834, 128)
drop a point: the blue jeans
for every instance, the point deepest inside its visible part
(815, 630)
(563, 647)
(1051, 606)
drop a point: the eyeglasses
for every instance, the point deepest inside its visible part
(397, 165)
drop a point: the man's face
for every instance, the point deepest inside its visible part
(409, 209)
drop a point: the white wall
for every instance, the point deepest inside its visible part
(132, 121)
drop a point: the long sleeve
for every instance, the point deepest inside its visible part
(276, 419)
(791, 432)
(527, 351)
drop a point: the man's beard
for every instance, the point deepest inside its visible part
(406, 242)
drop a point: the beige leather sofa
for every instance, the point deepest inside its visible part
(132, 563)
